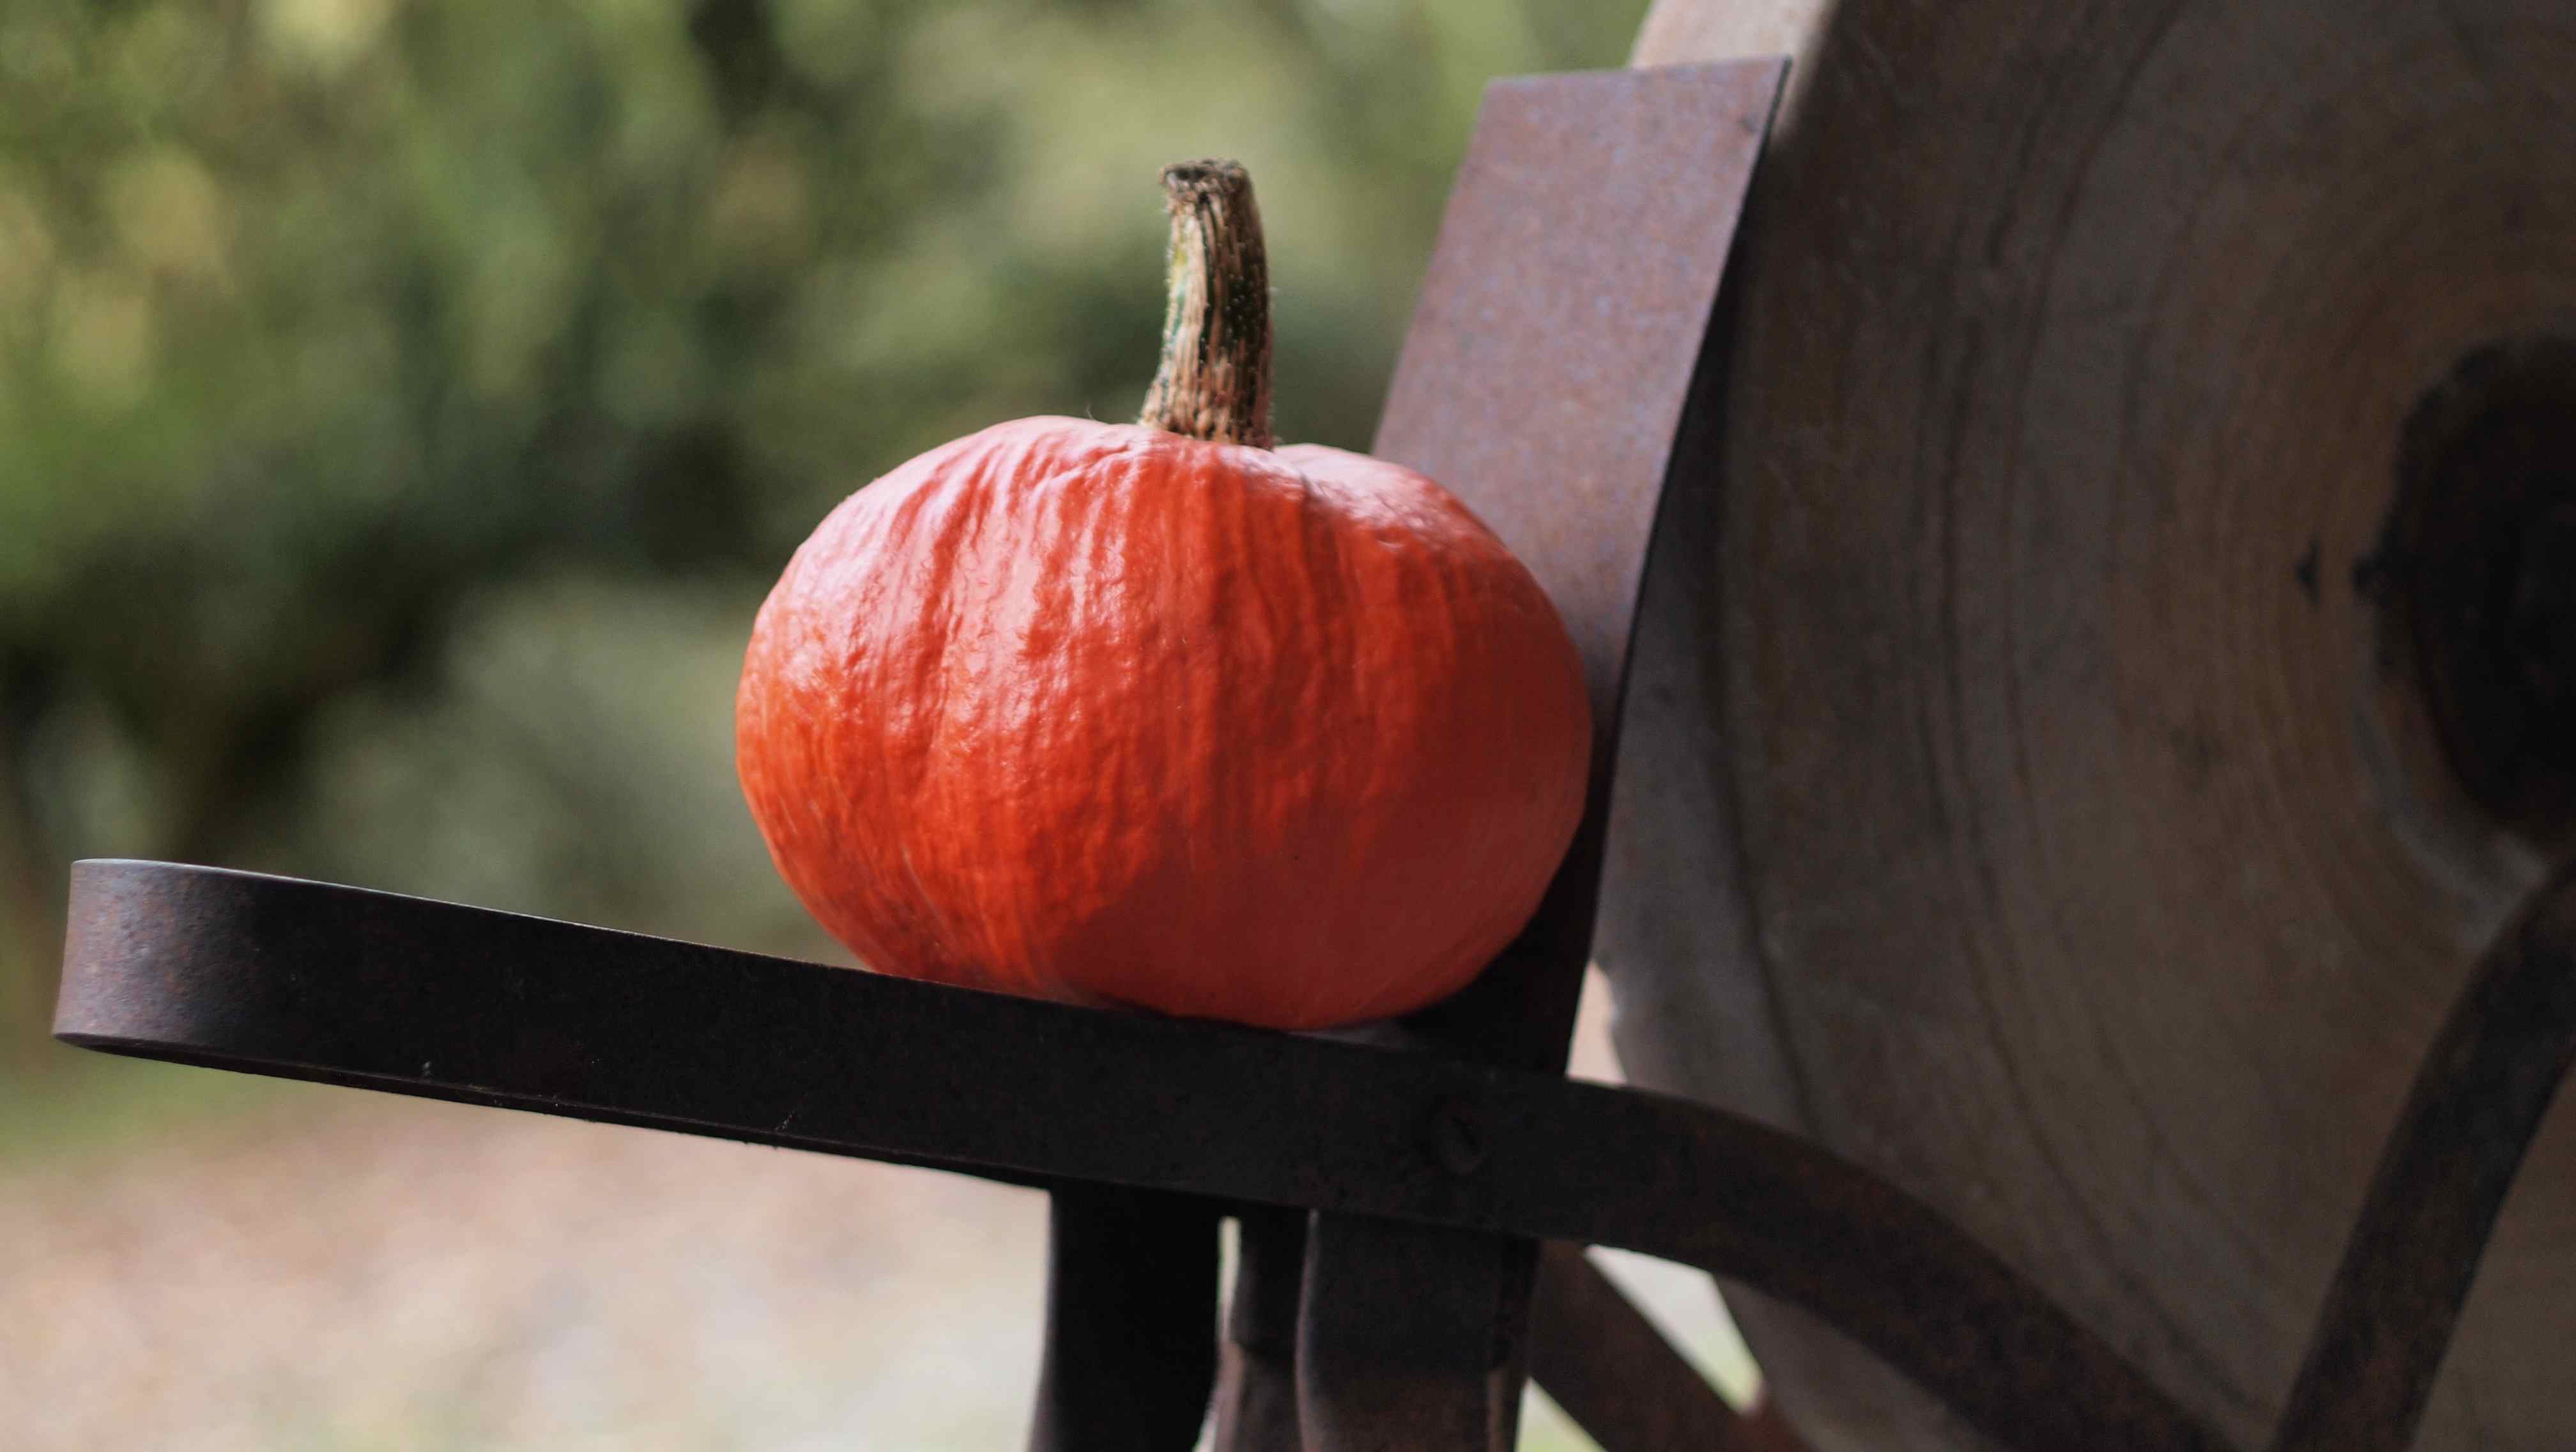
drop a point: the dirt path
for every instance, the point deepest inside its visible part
(401, 1275)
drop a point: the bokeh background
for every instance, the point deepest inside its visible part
(403, 408)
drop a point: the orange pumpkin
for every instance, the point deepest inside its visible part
(1154, 714)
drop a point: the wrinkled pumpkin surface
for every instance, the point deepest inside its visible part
(1101, 712)
(1156, 714)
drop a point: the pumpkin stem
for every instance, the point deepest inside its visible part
(1215, 380)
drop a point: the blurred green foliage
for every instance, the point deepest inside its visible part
(404, 406)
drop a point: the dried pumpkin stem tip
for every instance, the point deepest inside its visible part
(1215, 380)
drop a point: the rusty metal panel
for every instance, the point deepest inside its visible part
(1552, 349)
(1544, 379)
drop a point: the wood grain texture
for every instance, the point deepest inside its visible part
(2018, 793)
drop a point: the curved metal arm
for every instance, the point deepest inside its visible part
(2485, 1085)
(340, 985)
(1612, 1371)
(309, 981)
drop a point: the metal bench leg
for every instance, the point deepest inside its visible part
(1256, 1385)
(1398, 1350)
(1131, 1321)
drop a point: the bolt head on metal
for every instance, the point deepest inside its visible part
(1457, 1140)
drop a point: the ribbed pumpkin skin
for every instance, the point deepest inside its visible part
(1098, 712)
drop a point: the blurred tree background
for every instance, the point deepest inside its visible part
(403, 407)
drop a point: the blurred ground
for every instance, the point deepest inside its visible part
(374, 1274)
(330, 1269)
